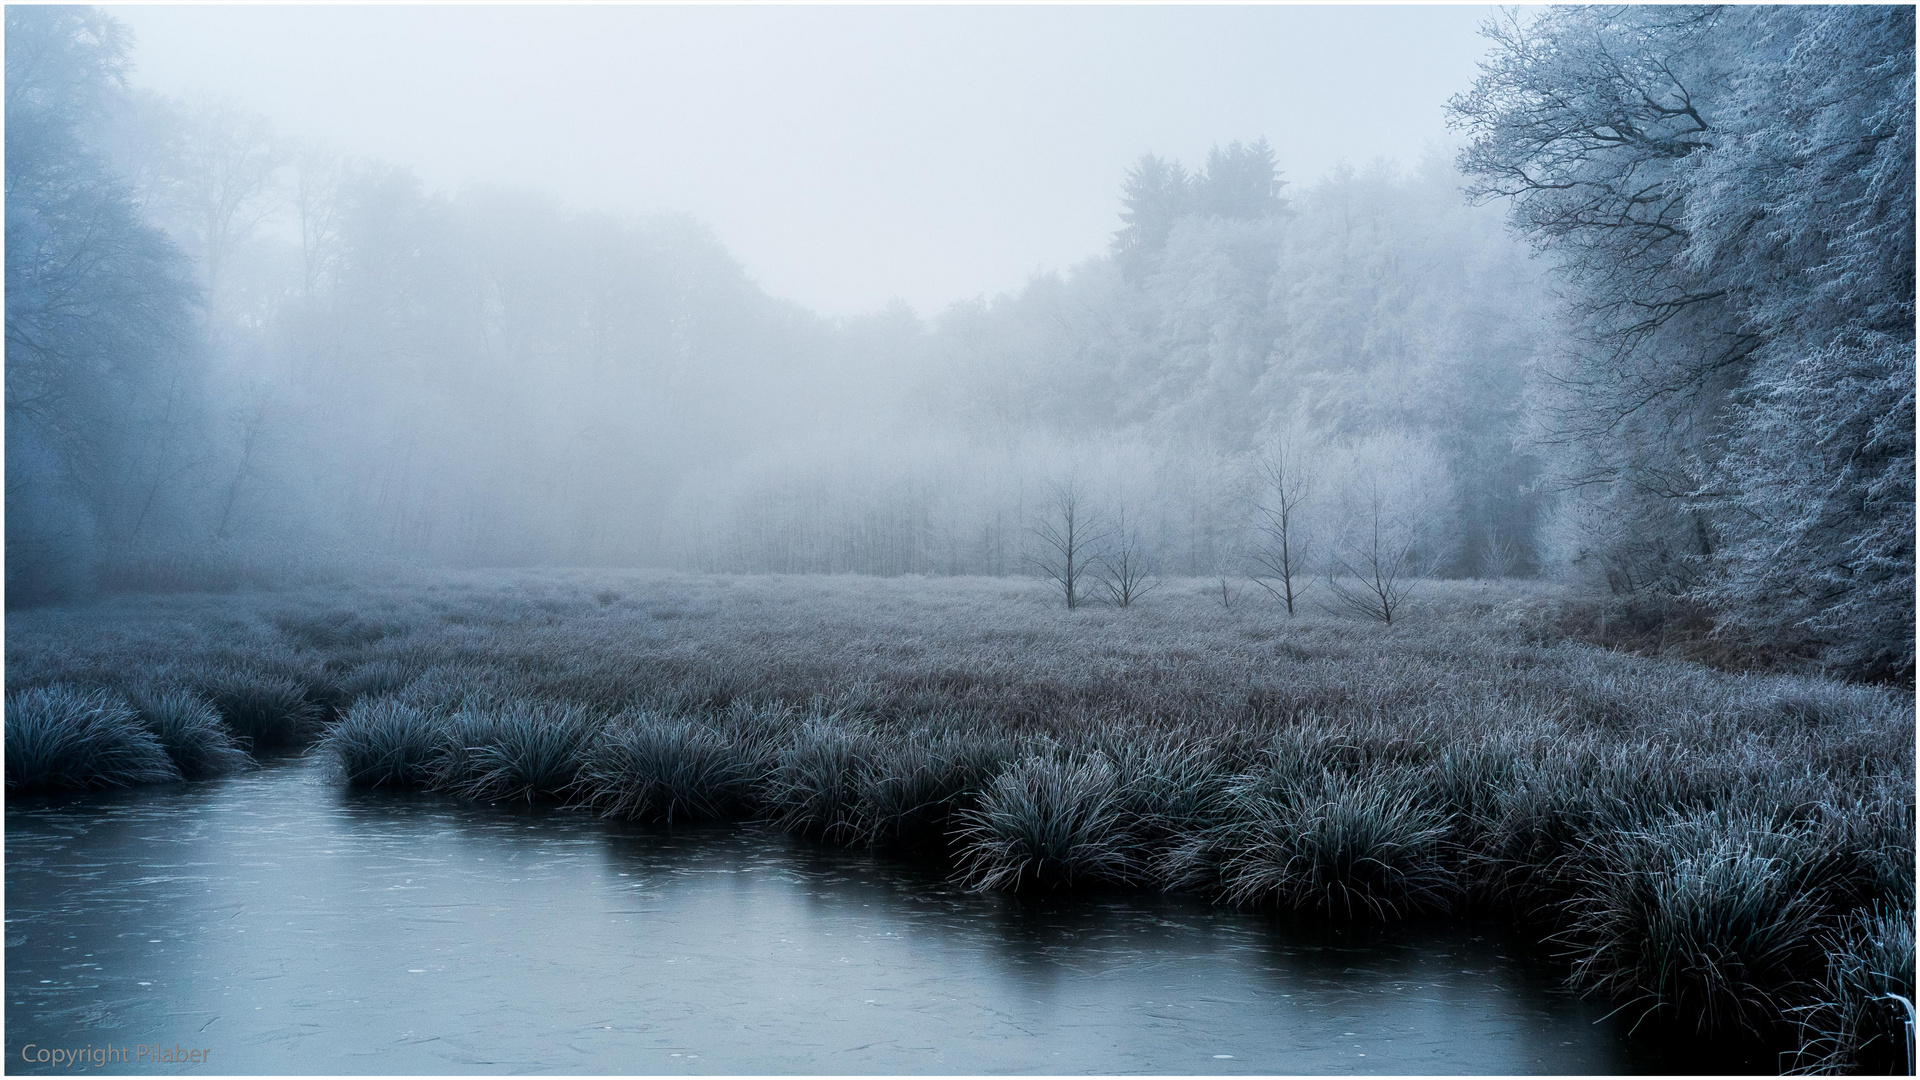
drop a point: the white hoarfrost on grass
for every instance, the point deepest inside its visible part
(1730, 853)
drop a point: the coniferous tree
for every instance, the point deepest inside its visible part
(1241, 183)
(1156, 194)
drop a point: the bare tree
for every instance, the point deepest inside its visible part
(1126, 568)
(224, 164)
(317, 176)
(1372, 573)
(169, 455)
(1229, 593)
(251, 420)
(1070, 534)
(1280, 547)
(1498, 556)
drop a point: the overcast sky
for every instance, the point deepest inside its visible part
(846, 155)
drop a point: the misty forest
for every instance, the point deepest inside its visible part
(1515, 542)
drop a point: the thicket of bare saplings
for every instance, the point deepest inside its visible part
(1727, 853)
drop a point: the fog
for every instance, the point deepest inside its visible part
(1351, 465)
(847, 156)
(891, 290)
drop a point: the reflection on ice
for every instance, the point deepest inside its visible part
(283, 922)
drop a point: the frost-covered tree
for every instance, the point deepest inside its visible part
(1822, 472)
(1282, 547)
(1728, 193)
(1241, 182)
(1371, 571)
(102, 397)
(1213, 332)
(1157, 193)
(1071, 536)
(1127, 565)
(1587, 120)
(1374, 300)
(1806, 210)
(213, 179)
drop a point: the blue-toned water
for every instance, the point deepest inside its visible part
(284, 924)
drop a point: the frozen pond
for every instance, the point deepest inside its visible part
(285, 924)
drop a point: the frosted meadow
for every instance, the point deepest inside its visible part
(1482, 587)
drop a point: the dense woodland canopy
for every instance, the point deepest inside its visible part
(1729, 195)
(1653, 331)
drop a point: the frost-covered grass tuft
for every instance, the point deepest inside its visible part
(376, 678)
(189, 730)
(1371, 845)
(334, 630)
(1170, 787)
(384, 742)
(1049, 821)
(651, 767)
(265, 711)
(1726, 851)
(1864, 1018)
(1712, 917)
(63, 738)
(918, 783)
(814, 789)
(523, 752)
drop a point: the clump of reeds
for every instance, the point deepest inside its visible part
(1342, 846)
(189, 730)
(1712, 916)
(1468, 777)
(64, 738)
(334, 630)
(814, 788)
(525, 751)
(1048, 820)
(320, 687)
(1535, 833)
(916, 783)
(265, 711)
(376, 678)
(651, 767)
(756, 731)
(449, 687)
(384, 742)
(1864, 1018)
(1170, 787)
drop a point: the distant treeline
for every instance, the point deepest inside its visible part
(228, 347)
